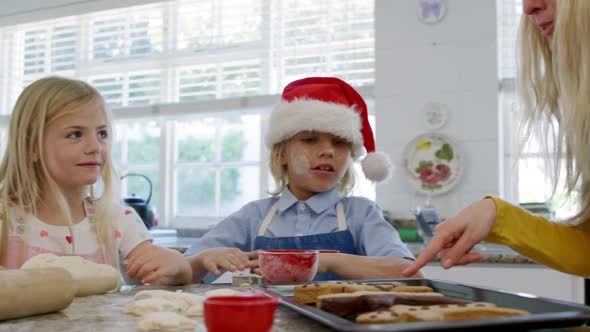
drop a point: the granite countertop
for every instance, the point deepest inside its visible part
(102, 313)
(105, 313)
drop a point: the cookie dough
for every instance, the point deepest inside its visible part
(189, 304)
(91, 278)
(166, 321)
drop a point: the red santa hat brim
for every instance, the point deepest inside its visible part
(290, 118)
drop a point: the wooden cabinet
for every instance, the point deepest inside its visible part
(520, 278)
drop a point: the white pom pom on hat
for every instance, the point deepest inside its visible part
(328, 104)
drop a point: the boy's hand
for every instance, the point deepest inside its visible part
(230, 259)
(154, 264)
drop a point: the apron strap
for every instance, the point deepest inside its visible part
(340, 216)
(273, 210)
(268, 219)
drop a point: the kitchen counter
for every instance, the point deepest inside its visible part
(105, 313)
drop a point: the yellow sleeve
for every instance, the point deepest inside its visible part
(559, 246)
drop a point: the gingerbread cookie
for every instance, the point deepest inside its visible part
(407, 313)
(308, 293)
(376, 287)
(352, 304)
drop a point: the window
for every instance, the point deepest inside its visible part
(191, 83)
(526, 179)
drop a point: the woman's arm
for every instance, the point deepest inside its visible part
(557, 245)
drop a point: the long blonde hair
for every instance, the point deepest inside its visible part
(23, 179)
(554, 86)
(280, 172)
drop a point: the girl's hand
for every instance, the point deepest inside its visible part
(230, 259)
(154, 264)
(455, 237)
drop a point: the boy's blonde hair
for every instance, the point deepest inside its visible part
(280, 172)
(554, 85)
(22, 179)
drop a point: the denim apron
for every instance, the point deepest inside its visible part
(341, 240)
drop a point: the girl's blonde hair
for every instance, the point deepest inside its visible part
(23, 179)
(280, 172)
(554, 86)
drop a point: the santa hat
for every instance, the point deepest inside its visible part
(329, 105)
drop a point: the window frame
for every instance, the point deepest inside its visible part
(351, 60)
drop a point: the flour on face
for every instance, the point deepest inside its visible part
(300, 164)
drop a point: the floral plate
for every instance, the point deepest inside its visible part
(432, 163)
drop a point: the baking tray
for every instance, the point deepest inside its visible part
(545, 313)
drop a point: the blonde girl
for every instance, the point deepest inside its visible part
(554, 86)
(58, 151)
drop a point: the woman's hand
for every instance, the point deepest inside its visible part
(154, 264)
(455, 237)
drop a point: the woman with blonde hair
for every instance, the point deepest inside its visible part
(554, 85)
(58, 149)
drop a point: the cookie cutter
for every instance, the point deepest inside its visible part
(246, 280)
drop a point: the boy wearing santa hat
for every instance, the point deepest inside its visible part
(317, 130)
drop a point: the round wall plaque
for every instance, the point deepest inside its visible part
(431, 11)
(435, 115)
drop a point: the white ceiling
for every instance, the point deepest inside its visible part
(10, 8)
(22, 11)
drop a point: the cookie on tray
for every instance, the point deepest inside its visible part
(408, 313)
(377, 287)
(353, 304)
(308, 293)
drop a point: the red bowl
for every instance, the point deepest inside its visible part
(287, 266)
(239, 313)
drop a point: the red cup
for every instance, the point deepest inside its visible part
(288, 266)
(239, 313)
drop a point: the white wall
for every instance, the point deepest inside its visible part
(453, 62)
(21, 11)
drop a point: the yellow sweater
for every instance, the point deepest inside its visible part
(559, 246)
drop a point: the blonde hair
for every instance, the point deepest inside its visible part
(280, 172)
(554, 86)
(23, 179)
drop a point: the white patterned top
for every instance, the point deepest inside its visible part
(28, 236)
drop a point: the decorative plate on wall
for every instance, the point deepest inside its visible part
(432, 163)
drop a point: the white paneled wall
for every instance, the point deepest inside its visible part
(453, 62)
